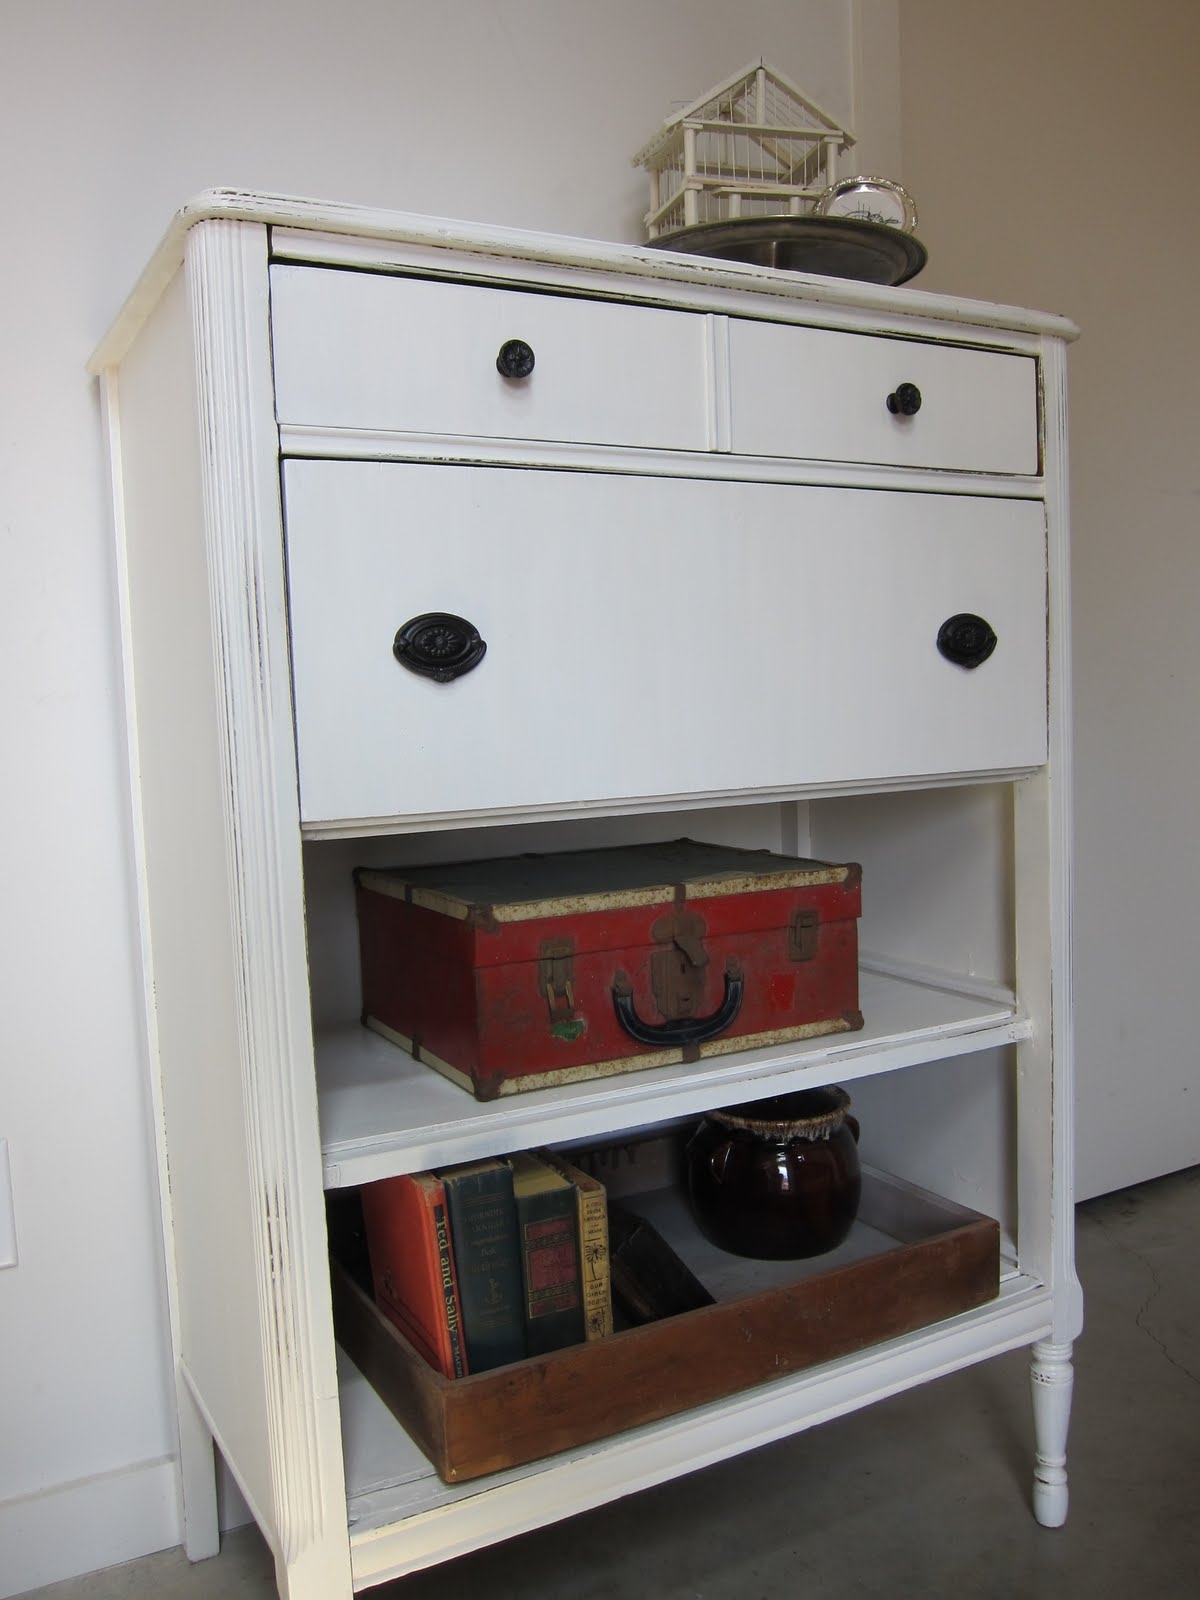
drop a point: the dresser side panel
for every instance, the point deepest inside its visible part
(220, 864)
(190, 975)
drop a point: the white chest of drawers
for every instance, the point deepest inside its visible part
(712, 566)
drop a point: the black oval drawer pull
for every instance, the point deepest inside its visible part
(966, 639)
(905, 401)
(438, 645)
(515, 359)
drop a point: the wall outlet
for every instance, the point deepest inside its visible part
(8, 1222)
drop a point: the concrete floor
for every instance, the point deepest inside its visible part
(926, 1495)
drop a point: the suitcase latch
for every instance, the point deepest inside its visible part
(556, 977)
(803, 932)
(677, 973)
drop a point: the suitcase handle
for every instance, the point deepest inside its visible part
(684, 1030)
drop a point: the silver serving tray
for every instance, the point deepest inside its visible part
(835, 247)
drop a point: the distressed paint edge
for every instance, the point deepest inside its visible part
(292, 211)
(226, 275)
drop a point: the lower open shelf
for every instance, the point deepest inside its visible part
(403, 1517)
(911, 1259)
(916, 1290)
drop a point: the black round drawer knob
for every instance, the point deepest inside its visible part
(515, 359)
(905, 401)
(966, 639)
(438, 645)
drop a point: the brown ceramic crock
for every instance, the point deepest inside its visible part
(777, 1179)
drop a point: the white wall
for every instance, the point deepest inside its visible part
(112, 114)
(1053, 147)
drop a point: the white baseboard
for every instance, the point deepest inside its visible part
(91, 1523)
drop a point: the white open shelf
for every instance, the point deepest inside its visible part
(383, 1113)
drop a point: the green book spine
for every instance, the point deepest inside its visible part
(548, 1221)
(483, 1230)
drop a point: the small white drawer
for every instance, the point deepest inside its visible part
(824, 396)
(649, 637)
(372, 351)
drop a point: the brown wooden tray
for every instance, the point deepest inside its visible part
(912, 1260)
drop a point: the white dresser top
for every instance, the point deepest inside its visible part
(639, 261)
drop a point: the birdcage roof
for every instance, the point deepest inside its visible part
(707, 108)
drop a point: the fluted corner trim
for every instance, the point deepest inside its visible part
(228, 288)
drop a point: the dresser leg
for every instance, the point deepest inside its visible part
(1052, 1377)
(198, 1478)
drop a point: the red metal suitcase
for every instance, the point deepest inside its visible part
(533, 970)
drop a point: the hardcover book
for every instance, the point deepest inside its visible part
(413, 1268)
(483, 1230)
(593, 1245)
(548, 1220)
(649, 1281)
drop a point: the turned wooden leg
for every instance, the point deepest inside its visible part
(1052, 1377)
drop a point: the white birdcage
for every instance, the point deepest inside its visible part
(755, 146)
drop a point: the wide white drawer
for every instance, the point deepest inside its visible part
(824, 395)
(649, 636)
(370, 351)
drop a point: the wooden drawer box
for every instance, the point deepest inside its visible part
(912, 1260)
(649, 636)
(369, 351)
(823, 395)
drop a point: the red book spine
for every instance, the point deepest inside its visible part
(413, 1267)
